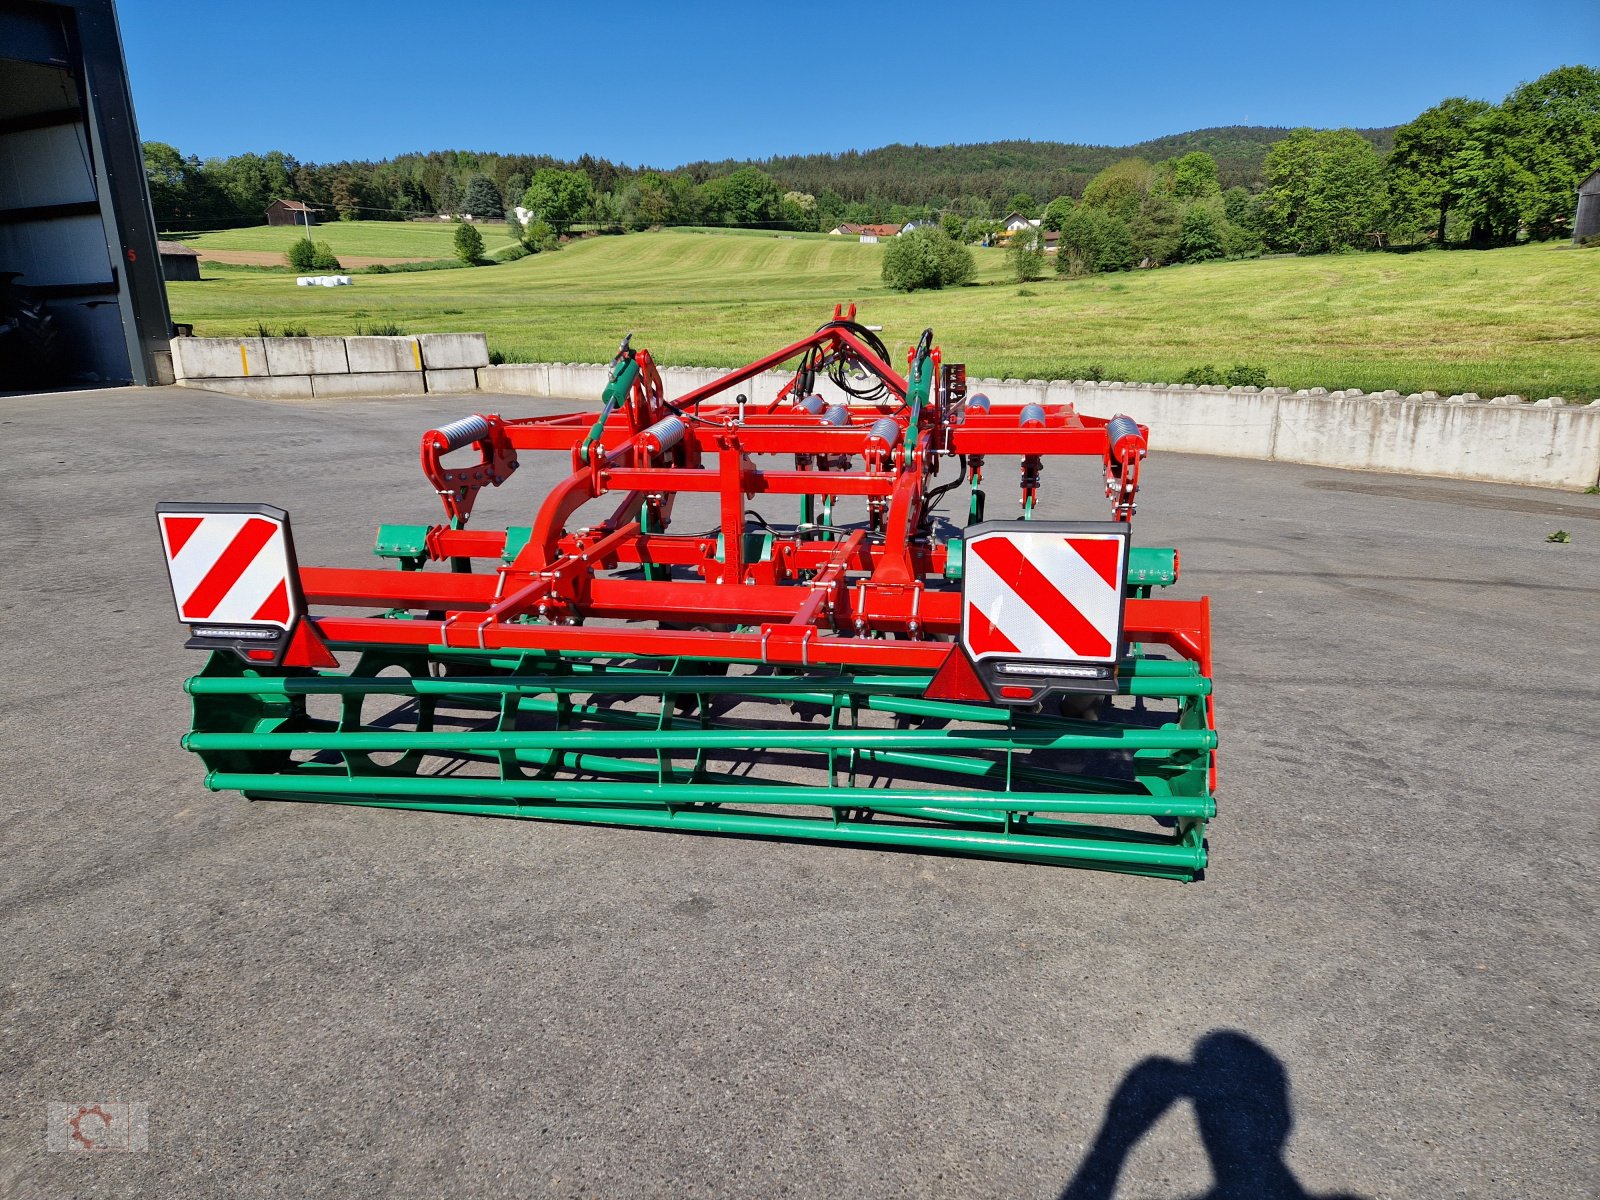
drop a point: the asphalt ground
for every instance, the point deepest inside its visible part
(1385, 986)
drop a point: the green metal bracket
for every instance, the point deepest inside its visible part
(407, 543)
(955, 554)
(516, 538)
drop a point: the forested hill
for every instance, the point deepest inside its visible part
(914, 174)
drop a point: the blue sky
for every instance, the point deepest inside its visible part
(668, 84)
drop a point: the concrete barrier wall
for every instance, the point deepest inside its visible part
(308, 367)
(1502, 440)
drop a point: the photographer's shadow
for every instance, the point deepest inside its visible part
(1240, 1093)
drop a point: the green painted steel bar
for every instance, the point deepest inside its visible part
(1030, 845)
(956, 764)
(853, 737)
(676, 792)
(776, 686)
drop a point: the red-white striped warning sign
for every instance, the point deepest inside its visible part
(1045, 594)
(229, 568)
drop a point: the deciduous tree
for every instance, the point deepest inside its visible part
(558, 197)
(1420, 172)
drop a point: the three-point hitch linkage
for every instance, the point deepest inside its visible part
(865, 673)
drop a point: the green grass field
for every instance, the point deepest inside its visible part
(1523, 320)
(374, 239)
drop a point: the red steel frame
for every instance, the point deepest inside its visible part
(861, 600)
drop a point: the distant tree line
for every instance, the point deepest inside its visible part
(1464, 172)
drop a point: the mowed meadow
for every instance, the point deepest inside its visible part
(389, 240)
(1523, 320)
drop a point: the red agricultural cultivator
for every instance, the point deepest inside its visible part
(828, 660)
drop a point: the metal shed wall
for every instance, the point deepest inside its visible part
(75, 221)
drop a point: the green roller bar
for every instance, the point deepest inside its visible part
(843, 739)
(1165, 856)
(638, 792)
(1145, 682)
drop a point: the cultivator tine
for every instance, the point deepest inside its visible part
(1015, 692)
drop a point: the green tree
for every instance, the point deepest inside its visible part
(482, 199)
(538, 236)
(1492, 180)
(1555, 125)
(1024, 204)
(925, 258)
(1155, 228)
(448, 194)
(1025, 253)
(747, 197)
(954, 226)
(302, 254)
(469, 243)
(1201, 238)
(323, 258)
(164, 171)
(1057, 211)
(345, 201)
(558, 197)
(983, 230)
(1120, 188)
(1194, 176)
(1325, 191)
(1094, 240)
(798, 209)
(1419, 175)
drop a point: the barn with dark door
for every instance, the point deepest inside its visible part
(81, 294)
(178, 261)
(1586, 221)
(291, 212)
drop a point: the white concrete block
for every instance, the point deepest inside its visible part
(218, 358)
(258, 387)
(447, 351)
(577, 380)
(455, 379)
(516, 379)
(306, 356)
(384, 354)
(369, 383)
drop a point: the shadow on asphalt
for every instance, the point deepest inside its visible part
(1240, 1093)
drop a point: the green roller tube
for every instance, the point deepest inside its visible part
(639, 792)
(1172, 857)
(784, 687)
(1117, 738)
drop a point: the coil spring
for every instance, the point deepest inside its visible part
(836, 415)
(885, 430)
(1032, 414)
(463, 432)
(1120, 427)
(814, 404)
(667, 433)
